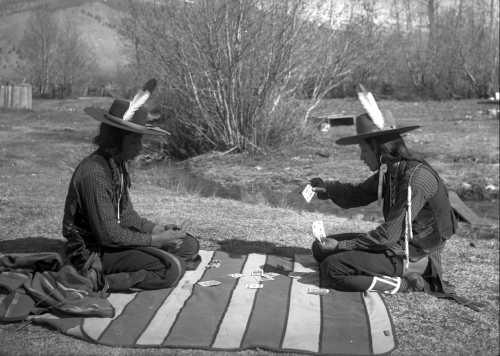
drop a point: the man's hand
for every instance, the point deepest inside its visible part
(319, 187)
(172, 227)
(328, 245)
(158, 229)
(169, 239)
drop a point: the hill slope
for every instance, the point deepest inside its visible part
(95, 19)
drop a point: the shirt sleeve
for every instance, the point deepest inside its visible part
(349, 195)
(96, 192)
(424, 186)
(130, 219)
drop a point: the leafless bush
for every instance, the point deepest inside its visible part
(229, 70)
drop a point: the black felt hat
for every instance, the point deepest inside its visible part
(129, 116)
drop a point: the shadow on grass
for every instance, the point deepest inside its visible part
(244, 247)
(34, 244)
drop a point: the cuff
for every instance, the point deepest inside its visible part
(322, 196)
(148, 226)
(346, 245)
(149, 240)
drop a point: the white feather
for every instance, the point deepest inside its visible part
(370, 105)
(139, 99)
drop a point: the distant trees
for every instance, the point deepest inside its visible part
(55, 52)
(448, 52)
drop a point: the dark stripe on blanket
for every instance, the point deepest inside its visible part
(197, 325)
(268, 321)
(116, 332)
(127, 326)
(350, 337)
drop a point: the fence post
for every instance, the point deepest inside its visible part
(15, 96)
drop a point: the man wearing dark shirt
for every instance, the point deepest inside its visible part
(107, 241)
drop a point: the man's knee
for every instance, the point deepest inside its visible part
(334, 271)
(189, 248)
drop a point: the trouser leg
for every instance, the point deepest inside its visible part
(355, 270)
(126, 268)
(189, 248)
(319, 255)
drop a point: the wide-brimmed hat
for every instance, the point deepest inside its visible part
(374, 122)
(129, 116)
(365, 127)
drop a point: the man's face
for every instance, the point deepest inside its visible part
(368, 156)
(131, 146)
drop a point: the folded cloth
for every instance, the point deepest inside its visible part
(36, 283)
(17, 268)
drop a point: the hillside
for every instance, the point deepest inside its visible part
(95, 19)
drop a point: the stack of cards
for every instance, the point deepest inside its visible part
(318, 291)
(297, 275)
(257, 272)
(214, 264)
(318, 230)
(308, 193)
(209, 283)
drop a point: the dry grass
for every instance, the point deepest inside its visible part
(457, 139)
(39, 151)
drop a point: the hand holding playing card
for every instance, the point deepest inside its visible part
(185, 224)
(328, 245)
(319, 187)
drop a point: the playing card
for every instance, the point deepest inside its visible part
(235, 275)
(318, 230)
(185, 224)
(209, 283)
(264, 278)
(270, 274)
(308, 193)
(297, 275)
(318, 291)
(254, 286)
(257, 272)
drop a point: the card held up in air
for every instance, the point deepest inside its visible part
(318, 230)
(308, 193)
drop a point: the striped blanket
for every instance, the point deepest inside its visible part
(281, 316)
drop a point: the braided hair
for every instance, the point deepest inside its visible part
(109, 142)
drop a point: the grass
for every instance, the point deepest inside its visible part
(39, 151)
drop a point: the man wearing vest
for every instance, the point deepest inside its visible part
(404, 253)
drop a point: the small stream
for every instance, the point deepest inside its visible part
(172, 174)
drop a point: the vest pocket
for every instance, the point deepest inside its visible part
(427, 238)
